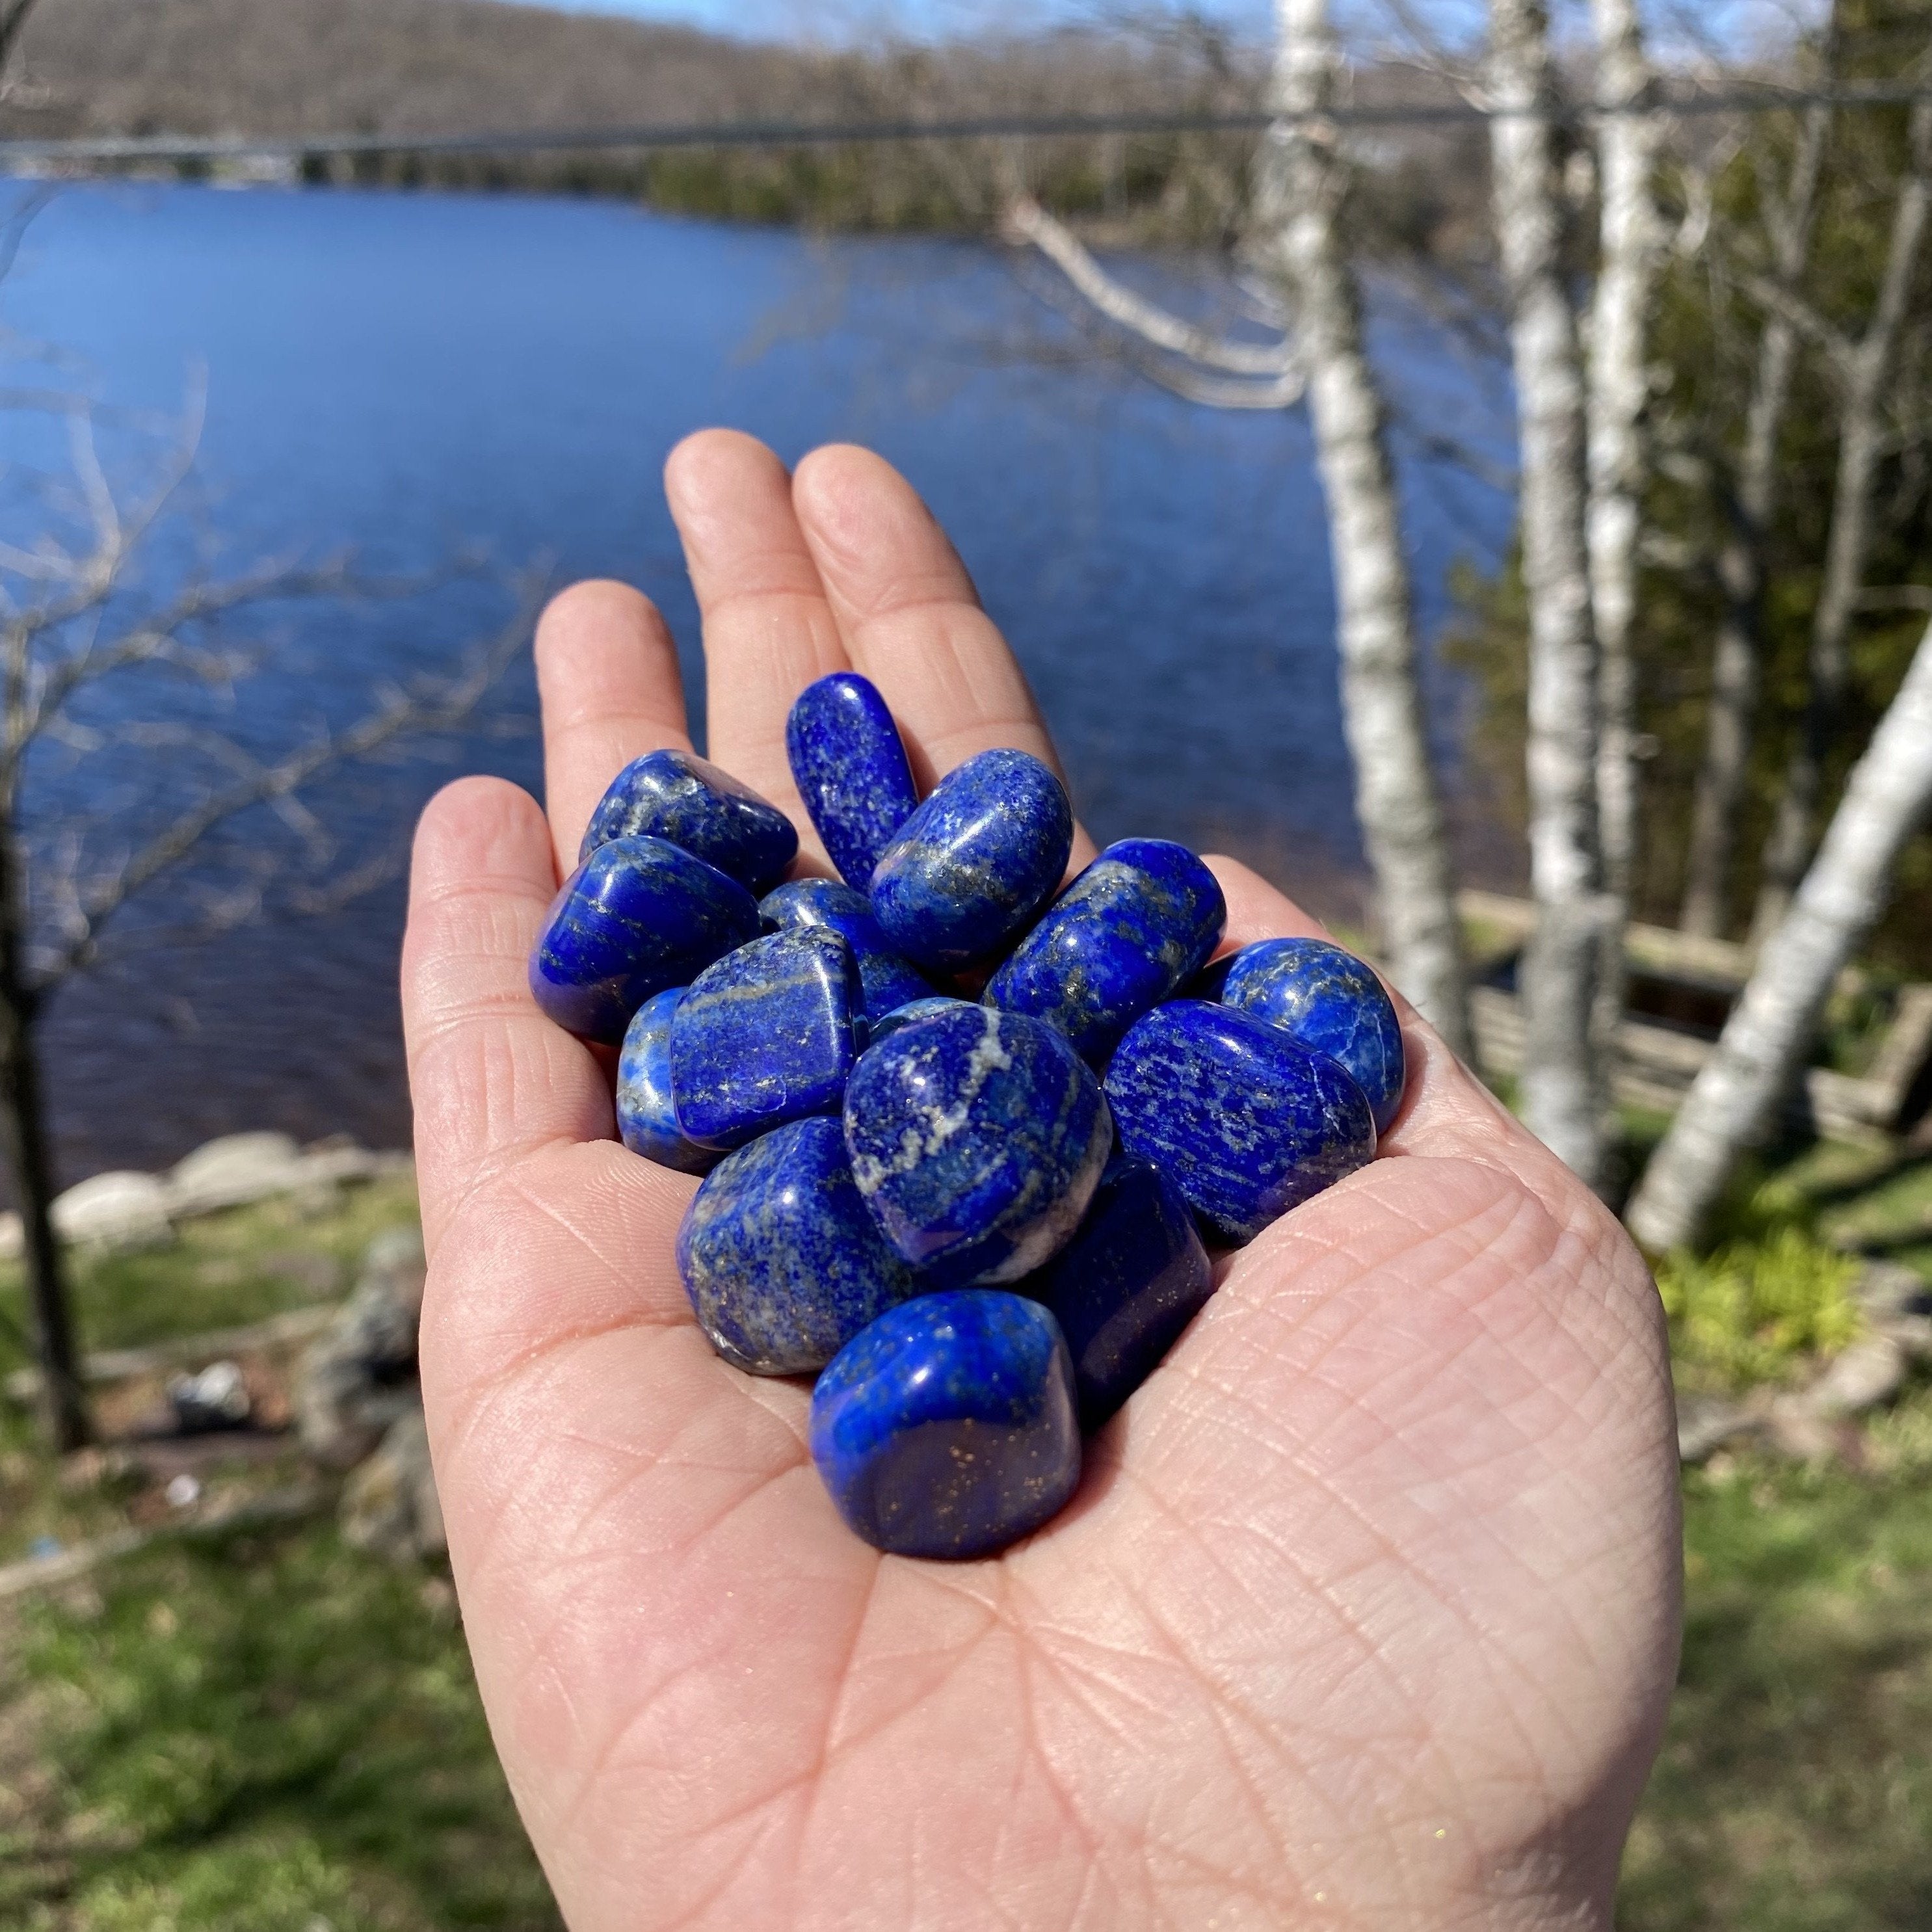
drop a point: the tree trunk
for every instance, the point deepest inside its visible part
(1397, 801)
(1762, 1049)
(1619, 399)
(1737, 661)
(1564, 1093)
(1865, 371)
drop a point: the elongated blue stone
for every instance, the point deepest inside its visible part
(1136, 923)
(911, 1014)
(887, 980)
(636, 916)
(850, 769)
(678, 796)
(1330, 1001)
(764, 1037)
(946, 1429)
(783, 1262)
(970, 868)
(1126, 1286)
(1245, 1121)
(646, 1121)
(977, 1138)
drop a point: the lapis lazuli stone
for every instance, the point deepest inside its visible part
(970, 868)
(1126, 1286)
(1136, 923)
(1245, 1121)
(637, 916)
(678, 796)
(850, 769)
(946, 1429)
(647, 1122)
(766, 1036)
(978, 1138)
(783, 1262)
(1329, 1000)
(911, 1014)
(888, 981)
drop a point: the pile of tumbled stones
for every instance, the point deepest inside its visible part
(962, 1132)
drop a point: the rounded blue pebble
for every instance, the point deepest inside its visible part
(946, 1429)
(888, 981)
(912, 1013)
(637, 916)
(679, 796)
(850, 769)
(647, 1122)
(1136, 923)
(782, 1261)
(1330, 1001)
(977, 1138)
(1245, 1121)
(767, 1035)
(969, 870)
(1126, 1286)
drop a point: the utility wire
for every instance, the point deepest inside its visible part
(974, 127)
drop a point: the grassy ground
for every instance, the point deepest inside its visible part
(270, 1732)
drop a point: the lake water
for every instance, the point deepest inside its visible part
(407, 376)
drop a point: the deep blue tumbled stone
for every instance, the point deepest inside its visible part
(850, 769)
(1136, 923)
(783, 1262)
(1126, 1286)
(677, 796)
(946, 1429)
(977, 1138)
(1245, 1121)
(1330, 1001)
(647, 1122)
(970, 868)
(887, 980)
(637, 916)
(911, 1014)
(764, 1037)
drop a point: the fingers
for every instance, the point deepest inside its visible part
(768, 630)
(491, 1078)
(607, 673)
(911, 619)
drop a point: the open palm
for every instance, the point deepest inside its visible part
(1365, 1613)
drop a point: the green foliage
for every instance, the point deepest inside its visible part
(1755, 1310)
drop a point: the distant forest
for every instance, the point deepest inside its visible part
(291, 66)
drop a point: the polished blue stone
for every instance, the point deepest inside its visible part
(968, 870)
(888, 981)
(1126, 1286)
(1136, 923)
(1245, 1121)
(911, 1014)
(764, 1037)
(978, 1138)
(677, 796)
(647, 1122)
(636, 916)
(1329, 1000)
(783, 1262)
(946, 1429)
(850, 769)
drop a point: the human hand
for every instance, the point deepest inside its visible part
(1365, 1614)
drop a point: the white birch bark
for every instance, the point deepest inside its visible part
(1863, 369)
(1761, 1050)
(1397, 802)
(1564, 1089)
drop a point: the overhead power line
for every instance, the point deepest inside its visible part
(971, 128)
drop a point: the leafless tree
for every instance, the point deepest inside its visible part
(1763, 1043)
(89, 609)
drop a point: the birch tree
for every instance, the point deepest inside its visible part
(1762, 1049)
(1295, 238)
(1564, 1088)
